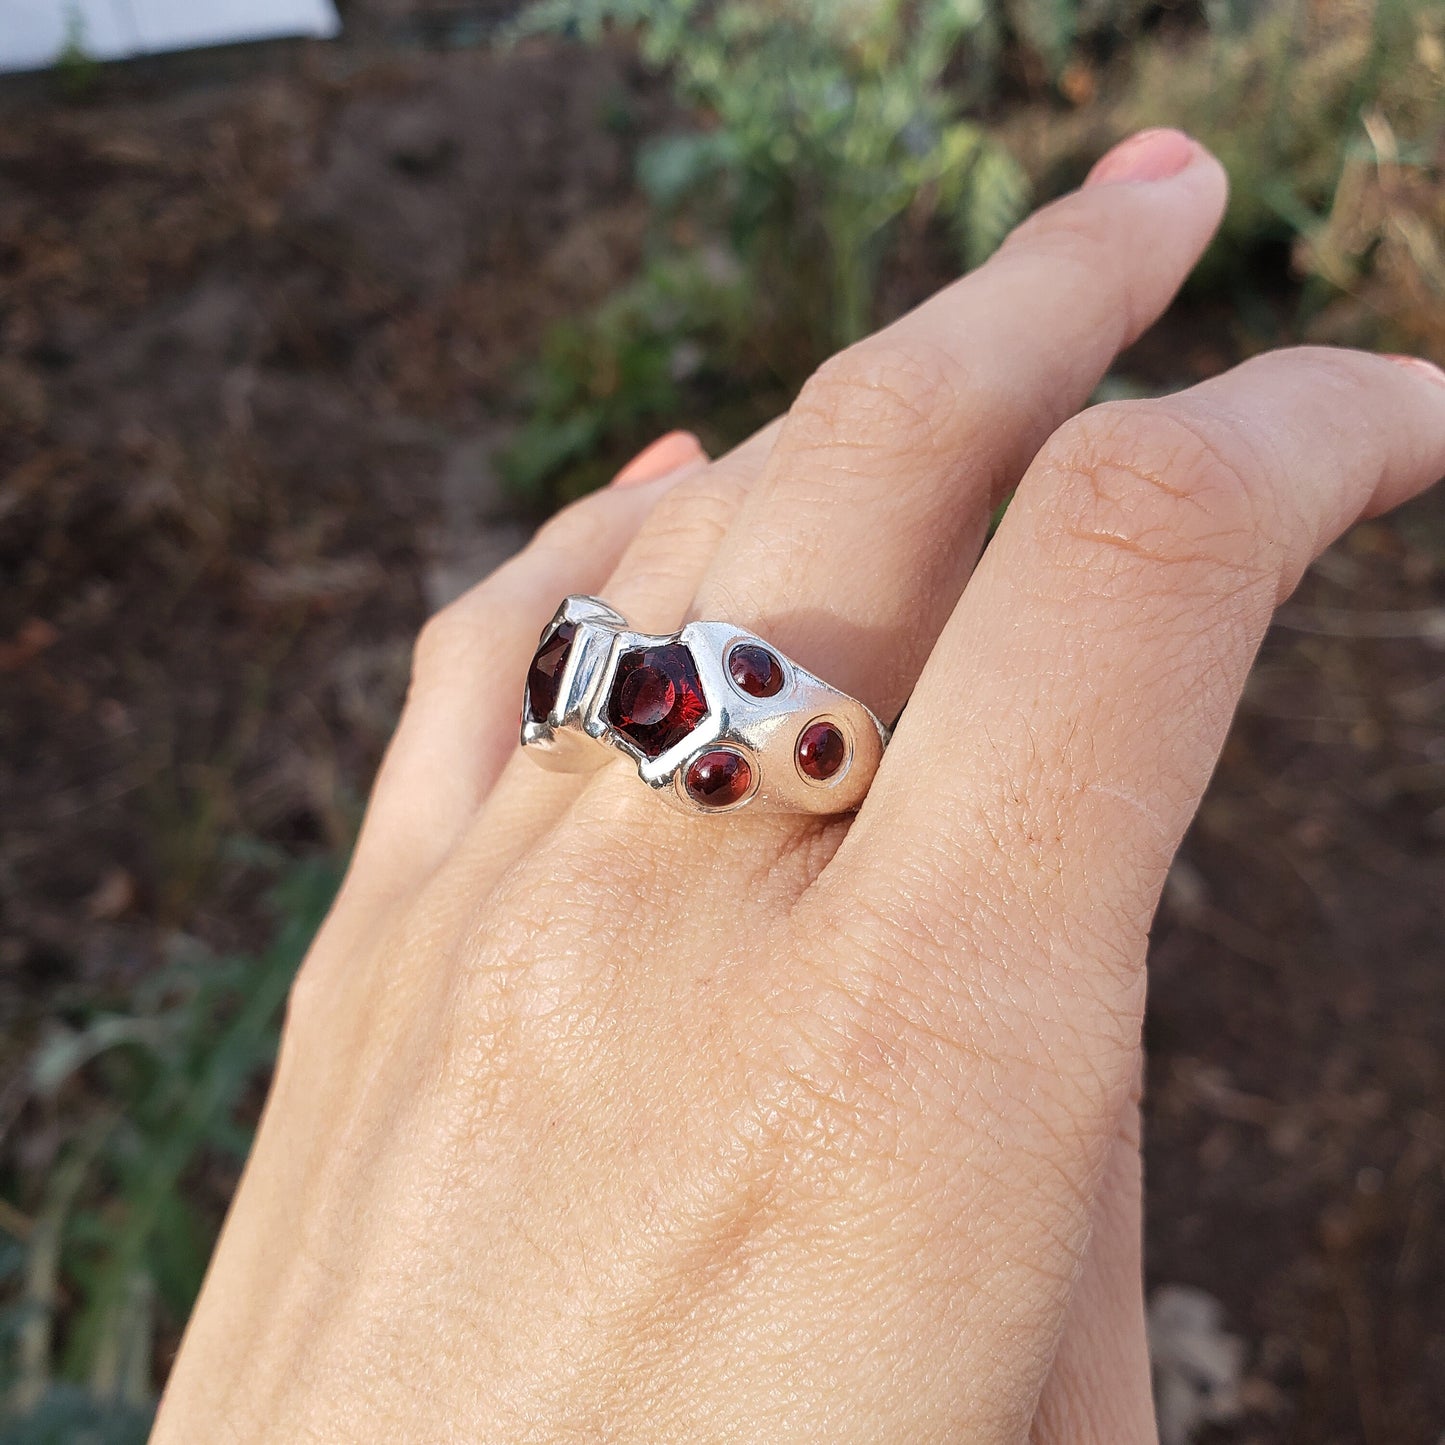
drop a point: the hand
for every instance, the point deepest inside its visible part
(598, 1122)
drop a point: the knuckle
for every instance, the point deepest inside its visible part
(1334, 369)
(818, 1118)
(452, 635)
(1065, 230)
(683, 529)
(898, 397)
(873, 1059)
(1159, 484)
(571, 531)
(1077, 243)
(309, 1002)
(303, 1000)
(696, 512)
(448, 639)
(862, 1025)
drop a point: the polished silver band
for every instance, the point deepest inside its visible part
(714, 718)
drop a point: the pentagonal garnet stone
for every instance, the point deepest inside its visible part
(544, 677)
(656, 697)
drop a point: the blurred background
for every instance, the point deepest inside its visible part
(300, 338)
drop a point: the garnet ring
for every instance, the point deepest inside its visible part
(714, 718)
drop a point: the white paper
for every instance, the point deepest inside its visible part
(34, 32)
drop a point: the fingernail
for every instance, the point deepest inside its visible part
(1418, 363)
(667, 454)
(1151, 155)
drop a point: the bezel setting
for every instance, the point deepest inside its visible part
(833, 777)
(584, 727)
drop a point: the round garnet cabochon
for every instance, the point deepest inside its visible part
(718, 778)
(822, 751)
(754, 670)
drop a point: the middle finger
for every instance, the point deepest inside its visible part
(852, 547)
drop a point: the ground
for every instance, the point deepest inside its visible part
(261, 323)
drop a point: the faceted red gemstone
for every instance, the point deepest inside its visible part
(656, 697)
(718, 779)
(646, 696)
(822, 750)
(755, 670)
(544, 677)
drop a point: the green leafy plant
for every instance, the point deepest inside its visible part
(1298, 101)
(603, 379)
(816, 135)
(117, 1229)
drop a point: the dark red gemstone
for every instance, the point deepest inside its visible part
(718, 779)
(822, 750)
(646, 696)
(755, 670)
(656, 697)
(544, 677)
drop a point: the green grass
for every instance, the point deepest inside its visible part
(113, 1255)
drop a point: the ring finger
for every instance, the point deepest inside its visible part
(845, 534)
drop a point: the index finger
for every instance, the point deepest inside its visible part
(1002, 874)
(1074, 707)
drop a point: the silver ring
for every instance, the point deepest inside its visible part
(715, 718)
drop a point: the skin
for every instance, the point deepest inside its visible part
(597, 1122)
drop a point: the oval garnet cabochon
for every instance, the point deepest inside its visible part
(822, 751)
(718, 778)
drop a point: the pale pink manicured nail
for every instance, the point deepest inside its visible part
(667, 454)
(1151, 155)
(1418, 363)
